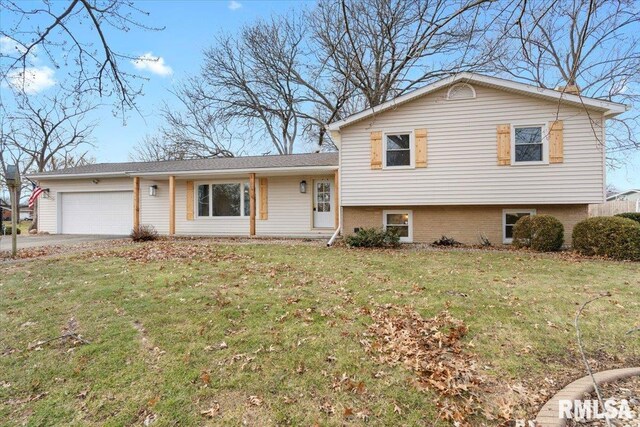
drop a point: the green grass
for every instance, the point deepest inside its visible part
(22, 225)
(289, 315)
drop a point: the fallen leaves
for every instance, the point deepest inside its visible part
(432, 349)
(164, 250)
(213, 411)
(255, 401)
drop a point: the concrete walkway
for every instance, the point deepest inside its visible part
(36, 241)
(549, 414)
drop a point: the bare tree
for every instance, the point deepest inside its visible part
(94, 63)
(592, 44)
(267, 80)
(190, 130)
(71, 159)
(289, 76)
(47, 131)
(384, 48)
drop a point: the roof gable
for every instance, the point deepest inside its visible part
(609, 109)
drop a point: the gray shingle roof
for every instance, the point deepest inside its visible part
(214, 164)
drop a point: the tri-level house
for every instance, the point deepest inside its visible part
(464, 157)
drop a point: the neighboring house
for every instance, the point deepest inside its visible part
(25, 211)
(6, 210)
(633, 194)
(464, 157)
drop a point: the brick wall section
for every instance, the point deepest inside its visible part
(463, 223)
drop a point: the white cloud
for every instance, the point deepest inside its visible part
(234, 5)
(10, 47)
(154, 64)
(32, 80)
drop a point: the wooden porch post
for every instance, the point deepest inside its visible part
(172, 205)
(252, 204)
(136, 202)
(336, 197)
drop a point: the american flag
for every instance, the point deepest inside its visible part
(37, 191)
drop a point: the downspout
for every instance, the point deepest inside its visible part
(337, 232)
(336, 137)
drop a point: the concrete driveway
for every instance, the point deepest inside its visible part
(35, 241)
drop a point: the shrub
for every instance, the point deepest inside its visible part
(373, 238)
(446, 241)
(144, 233)
(8, 230)
(543, 233)
(630, 215)
(614, 237)
(522, 233)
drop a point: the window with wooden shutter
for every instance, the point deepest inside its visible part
(376, 150)
(421, 148)
(190, 200)
(556, 142)
(504, 145)
(264, 198)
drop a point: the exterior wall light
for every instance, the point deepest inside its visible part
(153, 190)
(303, 186)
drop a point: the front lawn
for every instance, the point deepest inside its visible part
(220, 333)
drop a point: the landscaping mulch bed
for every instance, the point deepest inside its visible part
(626, 389)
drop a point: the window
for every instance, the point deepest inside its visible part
(528, 144)
(223, 200)
(247, 203)
(323, 197)
(203, 200)
(461, 91)
(401, 221)
(509, 219)
(398, 149)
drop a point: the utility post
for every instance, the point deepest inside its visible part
(13, 182)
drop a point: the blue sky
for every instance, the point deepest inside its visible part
(190, 25)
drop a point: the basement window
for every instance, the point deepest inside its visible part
(509, 219)
(401, 222)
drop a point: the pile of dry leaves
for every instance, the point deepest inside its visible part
(433, 350)
(163, 250)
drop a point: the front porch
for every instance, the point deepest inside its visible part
(302, 204)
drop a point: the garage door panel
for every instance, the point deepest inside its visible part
(103, 212)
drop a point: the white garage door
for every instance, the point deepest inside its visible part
(105, 212)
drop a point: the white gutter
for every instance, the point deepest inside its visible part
(78, 175)
(185, 173)
(239, 171)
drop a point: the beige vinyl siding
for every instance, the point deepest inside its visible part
(48, 206)
(463, 165)
(290, 212)
(212, 226)
(155, 210)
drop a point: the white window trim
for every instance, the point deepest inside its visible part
(545, 144)
(412, 150)
(461, 99)
(197, 215)
(408, 239)
(504, 221)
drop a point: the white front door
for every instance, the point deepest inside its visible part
(323, 203)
